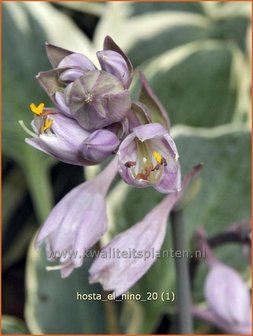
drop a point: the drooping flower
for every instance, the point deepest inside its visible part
(77, 222)
(95, 98)
(146, 237)
(64, 139)
(148, 157)
(227, 295)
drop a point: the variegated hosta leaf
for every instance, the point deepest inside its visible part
(200, 83)
(175, 25)
(52, 304)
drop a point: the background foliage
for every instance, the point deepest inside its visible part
(197, 58)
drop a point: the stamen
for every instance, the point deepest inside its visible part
(164, 162)
(37, 110)
(22, 124)
(130, 164)
(158, 157)
(47, 124)
(145, 175)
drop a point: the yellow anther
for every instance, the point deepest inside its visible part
(38, 110)
(158, 157)
(47, 124)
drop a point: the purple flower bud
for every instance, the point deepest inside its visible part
(142, 242)
(114, 63)
(110, 45)
(97, 99)
(64, 139)
(149, 157)
(61, 104)
(227, 295)
(99, 145)
(228, 298)
(77, 222)
(62, 58)
(77, 61)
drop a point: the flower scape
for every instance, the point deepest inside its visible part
(93, 118)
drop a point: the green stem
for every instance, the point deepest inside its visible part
(38, 180)
(182, 274)
(111, 315)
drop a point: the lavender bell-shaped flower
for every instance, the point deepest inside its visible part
(148, 157)
(64, 139)
(95, 98)
(77, 222)
(227, 295)
(145, 238)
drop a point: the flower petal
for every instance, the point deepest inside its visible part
(227, 294)
(115, 64)
(77, 60)
(109, 44)
(99, 145)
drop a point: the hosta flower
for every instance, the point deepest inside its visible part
(64, 139)
(227, 295)
(95, 98)
(145, 238)
(77, 222)
(148, 157)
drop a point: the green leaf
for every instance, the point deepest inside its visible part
(225, 152)
(52, 306)
(169, 38)
(173, 25)
(146, 7)
(195, 85)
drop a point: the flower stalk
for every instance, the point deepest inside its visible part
(182, 274)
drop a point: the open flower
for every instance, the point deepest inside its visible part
(148, 157)
(227, 295)
(77, 222)
(64, 139)
(95, 98)
(146, 238)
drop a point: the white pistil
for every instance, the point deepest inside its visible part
(22, 124)
(55, 268)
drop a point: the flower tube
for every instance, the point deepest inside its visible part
(77, 222)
